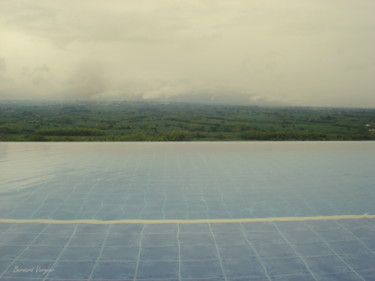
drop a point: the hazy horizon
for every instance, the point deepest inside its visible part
(252, 52)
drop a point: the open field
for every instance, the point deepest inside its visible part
(152, 121)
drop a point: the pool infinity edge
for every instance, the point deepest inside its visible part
(91, 221)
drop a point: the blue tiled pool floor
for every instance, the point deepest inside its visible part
(270, 250)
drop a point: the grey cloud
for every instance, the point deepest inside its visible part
(2, 74)
(291, 52)
(2, 65)
(87, 80)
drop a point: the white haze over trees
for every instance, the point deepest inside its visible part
(290, 52)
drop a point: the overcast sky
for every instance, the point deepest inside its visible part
(291, 52)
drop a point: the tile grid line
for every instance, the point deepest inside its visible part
(100, 253)
(126, 198)
(40, 206)
(179, 252)
(336, 254)
(87, 194)
(5, 232)
(218, 253)
(182, 187)
(145, 203)
(62, 203)
(62, 251)
(22, 252)
(165, 199)
(256, 252)
(139, 252)
(103, 198)
(144, 190)
(356, 237)
(101, 205)
(23, 201)
(295, 250)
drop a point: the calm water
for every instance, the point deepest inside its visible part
(109, 181)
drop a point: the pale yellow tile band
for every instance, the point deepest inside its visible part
(187, 221)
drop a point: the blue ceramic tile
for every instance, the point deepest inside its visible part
(41, 253)
(71, 270)
(17, 239)
(64, 214)
(270, 237)
(114, 270)
(201, 269)
(92, 228)
(194, 228)
(59, 229)
(23, 279)
(259, 227)
(370, 244)
(4, 227)
(346, 276)
(127, 228)
(234, 252)
(326, 265)
(120, 254)
(285, 266)
(243, 268)
(151, 214)
(288, 226)
(196, 239)
(27, 228)
(334, 235)
(370, 221)
(10, 252)
(154, 270)
(364, 233)
(273, 250)
(80, 254)
(198, 252)
(226, 227)
(230, 239)
(87, 240)
(149, 240)
(349, 248)
(50, 239)
(302, 237)
(160, 253)
(294, 278)
(243, 279)
(175, 215)
(352, 223)
(362, 262)
(122, 240)
(313, 249)
(4, 264)
(368, 275)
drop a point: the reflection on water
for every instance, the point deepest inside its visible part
(185, 180)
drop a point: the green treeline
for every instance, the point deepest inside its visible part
(147, 121)
(70, 132)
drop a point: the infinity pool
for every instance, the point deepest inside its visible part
(111, 181)
(187, 211)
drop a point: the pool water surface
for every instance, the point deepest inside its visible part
(187, 211)
(114, 181)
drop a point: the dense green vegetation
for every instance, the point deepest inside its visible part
(145, 121)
